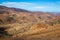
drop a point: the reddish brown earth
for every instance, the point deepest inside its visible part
(20, 24)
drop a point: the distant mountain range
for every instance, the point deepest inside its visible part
(22, 10)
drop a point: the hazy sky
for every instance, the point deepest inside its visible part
(33, 5)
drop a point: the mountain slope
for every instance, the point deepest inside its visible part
(19, 22)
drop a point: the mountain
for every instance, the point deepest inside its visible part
(20, 22)
(14, 9)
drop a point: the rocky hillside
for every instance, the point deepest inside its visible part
(14, 22)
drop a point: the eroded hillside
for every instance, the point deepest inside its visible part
(19, 24)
